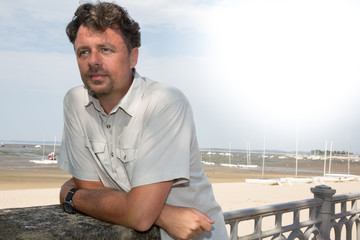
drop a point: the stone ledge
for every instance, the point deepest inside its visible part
(51, 222)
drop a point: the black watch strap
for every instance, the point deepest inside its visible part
(68, 204)
(70, 195)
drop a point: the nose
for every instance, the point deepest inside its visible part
(94, 59)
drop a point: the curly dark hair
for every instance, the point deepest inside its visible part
(101, 16)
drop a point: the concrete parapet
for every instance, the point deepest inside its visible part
(51, 222)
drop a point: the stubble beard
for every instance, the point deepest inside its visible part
(104, 90)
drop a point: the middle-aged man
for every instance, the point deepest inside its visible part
(129, 142)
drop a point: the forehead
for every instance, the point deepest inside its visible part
(87, 36)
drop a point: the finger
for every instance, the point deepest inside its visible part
(206, 226)
(200, 231)
(204, 223)
(194, 234)
(204, 216)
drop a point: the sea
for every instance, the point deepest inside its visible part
(16, 155)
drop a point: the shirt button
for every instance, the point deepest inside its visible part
(112, 154)
(124, 157)
(108, 126)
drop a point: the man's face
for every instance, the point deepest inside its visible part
(104, 61)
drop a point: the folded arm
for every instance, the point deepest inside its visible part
(138, 209)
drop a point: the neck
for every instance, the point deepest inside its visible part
(109, 101)
(108, 105)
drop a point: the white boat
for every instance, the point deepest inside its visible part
(291, 180)
(279, 181)
(269, 181)
(228, 165)
(247, 166)
(248, 158)
(341, 177)
(208, 163)
(44, 161)
(51, 157)
(209, 153)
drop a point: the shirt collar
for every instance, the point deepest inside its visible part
(129, 103)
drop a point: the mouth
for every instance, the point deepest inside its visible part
(97, 76)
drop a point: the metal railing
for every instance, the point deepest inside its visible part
(323, 217)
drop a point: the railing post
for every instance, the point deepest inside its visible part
(324, 212)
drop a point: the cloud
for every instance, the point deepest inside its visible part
(241, 64)
(33, 86)
(290, 64)
(35, 25)
(38, 72)
(187, 15)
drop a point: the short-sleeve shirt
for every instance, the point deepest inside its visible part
(149, 137)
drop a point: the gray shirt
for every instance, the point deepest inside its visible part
(148, 137)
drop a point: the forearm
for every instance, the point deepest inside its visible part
(137, 209)
(105, 206)
(110, 206)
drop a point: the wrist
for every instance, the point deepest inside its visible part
(163, 217)
(68, 204)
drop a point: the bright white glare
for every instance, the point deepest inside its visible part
(284, 64)
(288, 59)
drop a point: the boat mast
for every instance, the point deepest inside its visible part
(249, 163)
(209, 153)
(248, 156)
(54, 148)
(325, 156)
(43, 157)
(348, 157)
(297, 151)
(229, 152)
(330, 157)
(263, 163)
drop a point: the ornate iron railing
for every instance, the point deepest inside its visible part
(323, 217)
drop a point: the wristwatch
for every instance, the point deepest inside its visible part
(68, 204)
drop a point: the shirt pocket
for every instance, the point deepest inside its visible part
(96, 147)
(127, 156)
(100, 153)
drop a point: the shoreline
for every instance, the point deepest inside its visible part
(38, 187)
(230, 195)
(25, 184)
(42, 176)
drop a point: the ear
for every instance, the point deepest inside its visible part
(134, 57)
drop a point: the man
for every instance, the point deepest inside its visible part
(130, 142)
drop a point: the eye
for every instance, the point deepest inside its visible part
(83, 52)
(106, 50)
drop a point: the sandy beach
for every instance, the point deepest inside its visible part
(37, 188)
(231, 196)
(24, 184)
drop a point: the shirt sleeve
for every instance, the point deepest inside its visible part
(164, 152)
(75, 158)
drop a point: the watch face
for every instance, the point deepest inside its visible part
(68, 208)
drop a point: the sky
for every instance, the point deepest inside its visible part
(272, 73)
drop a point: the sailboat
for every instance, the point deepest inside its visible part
(248, 158)
(229, 155)
(51, 157)
(209, 153)
(339, 177)
(297, 179)
(262, 180)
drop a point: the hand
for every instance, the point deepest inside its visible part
(184, 223)
(65, 188)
